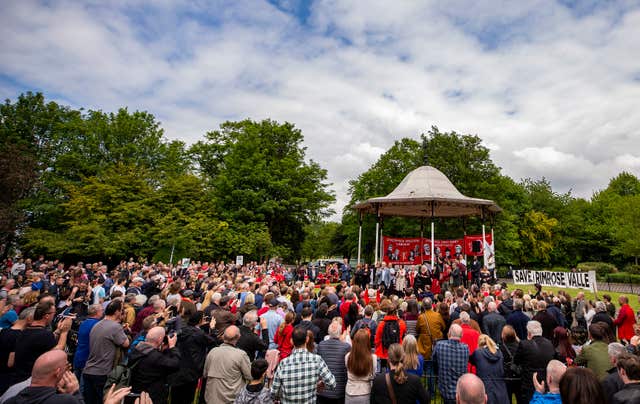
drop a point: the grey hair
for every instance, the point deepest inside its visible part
(250, 318)
(27, 314)
(93, 309)
(600, 306)
(335, 329)
(517, 304)
(534, 328)
(465, 318)
(615, 349)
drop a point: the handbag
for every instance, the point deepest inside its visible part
(516, 370)
(392, 394)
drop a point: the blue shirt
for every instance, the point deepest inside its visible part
(82, 351)
(7, 320)
(549, 398)
(273, 322)
(420, 369)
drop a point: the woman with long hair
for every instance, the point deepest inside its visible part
(509, 346)
(283, 335)
(361, 367)
(413, 361)
(563, 346)
(410, 316)
(581, 386)
(489, 367)
(403, 386)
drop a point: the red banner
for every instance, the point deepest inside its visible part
(414, 251)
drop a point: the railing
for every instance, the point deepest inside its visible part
(430, 382)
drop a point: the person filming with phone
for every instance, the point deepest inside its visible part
(151, 362)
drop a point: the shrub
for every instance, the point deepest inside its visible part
(632, 269)
(601, 268)
(559, 269)
(622, 277)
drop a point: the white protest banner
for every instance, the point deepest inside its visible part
(239, 259)
(573, 280)
(186, 262)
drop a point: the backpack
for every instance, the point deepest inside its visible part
(120, 376)
(390, 333)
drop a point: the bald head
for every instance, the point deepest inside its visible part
(555, 371)
(231, 335)
(155, 336)
(49, 368)
(455, 332)
(491, 307)
(470, 390)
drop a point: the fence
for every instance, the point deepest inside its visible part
(430, 383)
(609, 284)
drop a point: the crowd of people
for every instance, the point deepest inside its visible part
(264, 333)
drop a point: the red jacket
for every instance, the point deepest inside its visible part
(283, 339)
(470, 337)
(381, 352)
(625, 321)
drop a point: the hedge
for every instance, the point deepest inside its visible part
(601, 268)
(622, 277)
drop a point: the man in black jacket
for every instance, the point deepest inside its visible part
(152, 364)
(629, 369)
(307, 314)
(612, 383)
(533, 355)
(546, 320)
(51, 382)
(193, 344)
(249, 341)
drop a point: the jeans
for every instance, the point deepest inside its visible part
(78, 373)
(94, 388)
(429, 371)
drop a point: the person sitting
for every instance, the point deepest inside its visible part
(51, 382)
(255, 391)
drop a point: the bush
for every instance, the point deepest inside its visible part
(632, 269)
(622, 277)
(601, 268)
(559, 269)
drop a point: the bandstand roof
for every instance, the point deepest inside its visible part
(424, 192)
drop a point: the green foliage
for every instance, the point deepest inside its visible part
(91, 184)
(538, 231)
(259, 175)
(318, 241)
(601, 268)
(632, 269)
(622, 277)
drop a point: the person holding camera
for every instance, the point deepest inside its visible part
(152, 361)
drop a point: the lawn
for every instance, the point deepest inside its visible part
(633, 298)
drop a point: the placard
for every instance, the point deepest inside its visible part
(573, 280)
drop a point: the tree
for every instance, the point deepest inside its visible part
(462, 158)
(625, 225)
(259, 175)
(318, 241)
(538, 234)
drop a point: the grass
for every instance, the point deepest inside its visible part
(633, 298)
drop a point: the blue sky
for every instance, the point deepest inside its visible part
(552, 87)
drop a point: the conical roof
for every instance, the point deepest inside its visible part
(424, 192)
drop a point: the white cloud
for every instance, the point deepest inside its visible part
(550, 90)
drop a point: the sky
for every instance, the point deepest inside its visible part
(551, 87)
